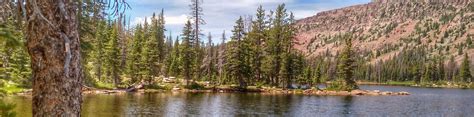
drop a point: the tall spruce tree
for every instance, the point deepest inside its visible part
(174, 68)
(465, 71)
(274, 47)
(113, 52)
(134, 55)
(196, 16)
(187, 57)
(346, 66)
(237, 64)
(99, 57)
(257, 37)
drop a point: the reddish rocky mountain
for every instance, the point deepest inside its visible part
(383, 28)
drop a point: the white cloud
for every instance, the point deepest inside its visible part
(173, 20)
(139, 20)
(299, 14)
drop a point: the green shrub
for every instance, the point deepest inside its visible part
(335, 86)
(156, 86)
(340, 86)
(259, 85)
(103, 85)
(6, 109)
(194, 85)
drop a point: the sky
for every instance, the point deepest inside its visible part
(220, 15)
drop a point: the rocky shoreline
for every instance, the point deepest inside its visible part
(266, 91)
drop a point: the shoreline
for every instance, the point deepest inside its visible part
(263, 91)
(411, 84)
(271, 91)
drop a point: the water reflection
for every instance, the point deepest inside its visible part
(347, 104)
(423, 101)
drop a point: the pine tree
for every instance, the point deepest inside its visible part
(14, 59)
(99, 58)
(175, 65)
(237, 63)
(134, 55)
(465, 71)
(317, 75)
(425, 78)
(441, 70)
(288, 65)
(346, 66)
(168, 60)
(415, 73)
(197, 21)
(153, 48)
(274, 47)
(144, 64)
(307, 76)
(257, 36)
(113, 52)
(160, 36)
(187, 52)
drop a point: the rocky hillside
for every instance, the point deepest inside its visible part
(383, 28)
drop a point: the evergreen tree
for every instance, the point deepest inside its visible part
(168, 60)
(465, 71)
(290, 67)
(134, 55)
(426, 74)
(256, 36)
(415, 73)
(237, 64)
(174, 68)
(274, 47)
(113, 52)
(346, 66)
(99, 58)
(187, 53)
(160, 36)
(317, 75)
(197, 21)
(144, 64)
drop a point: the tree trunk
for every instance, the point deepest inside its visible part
(53, 44)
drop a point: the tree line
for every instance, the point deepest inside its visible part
(259, 52)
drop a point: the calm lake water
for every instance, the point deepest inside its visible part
(427, 102)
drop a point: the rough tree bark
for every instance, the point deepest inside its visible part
(53, 44)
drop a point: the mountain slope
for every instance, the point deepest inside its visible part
(383, 28)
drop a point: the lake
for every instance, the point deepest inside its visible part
(427, 102)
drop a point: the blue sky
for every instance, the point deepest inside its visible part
(220, 15)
